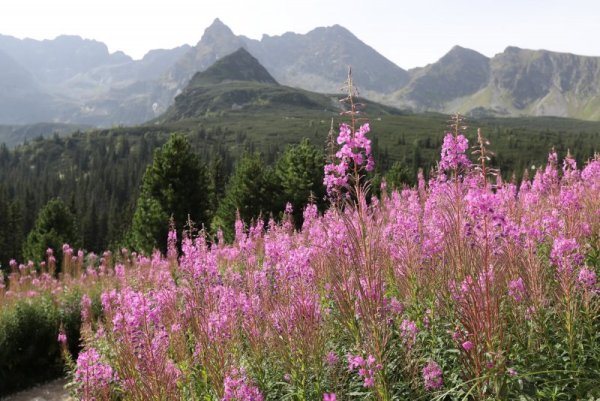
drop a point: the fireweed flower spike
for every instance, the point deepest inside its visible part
(355, 153)
(345, 166)
(453, 155)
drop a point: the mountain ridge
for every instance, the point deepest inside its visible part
(76, 80)
(516, 82)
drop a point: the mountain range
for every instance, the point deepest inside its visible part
(78, 81)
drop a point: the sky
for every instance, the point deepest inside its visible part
(409, 33)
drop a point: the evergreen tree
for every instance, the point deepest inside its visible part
(417, 159)
(89, 228)
(217, 179)
(10, 231)
(176, 186)
(249, 191)
(398, 175)
(299, 174)
(55, 225)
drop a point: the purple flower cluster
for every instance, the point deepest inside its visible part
(453, 155)
(587, 278)
(86, 308)
(62, 338)
(433, 376)
(238, 388)
(357, 147)
(93, 375)
(367, 368)
(355, 151)
(516, 289)
(408, 331)
(565, 254)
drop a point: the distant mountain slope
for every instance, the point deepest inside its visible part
(459, 73)
(238, 82)
(517, 82)
(54, 61)
(78, 81)
(237, 66)
(20, 97)
(546, 83)
(319, 61)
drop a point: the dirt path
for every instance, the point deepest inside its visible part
(51, 391)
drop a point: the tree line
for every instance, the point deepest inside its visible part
(119, 187)
(97, 202)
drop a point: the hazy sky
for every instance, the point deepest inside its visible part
(410, 33)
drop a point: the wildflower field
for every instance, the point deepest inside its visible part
(464, 287)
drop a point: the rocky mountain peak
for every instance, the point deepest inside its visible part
(216, 32)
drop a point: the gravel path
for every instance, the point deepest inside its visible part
(51, 391)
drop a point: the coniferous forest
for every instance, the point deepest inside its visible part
(100, 175)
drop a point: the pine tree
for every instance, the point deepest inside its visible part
(10, 230)
(398, 176)
(176, 186)
(55, 225)
(217, 180)
(249, 191)
(299, 174)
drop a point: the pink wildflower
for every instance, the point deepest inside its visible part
(587, 278)
(432, 376)
(238, 387)
(453, 152)
(408, 331)
(516, 289)
(467, 345)
(332, 358)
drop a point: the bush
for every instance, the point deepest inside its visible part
(29, 350)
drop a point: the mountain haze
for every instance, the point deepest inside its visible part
(75, 80)
(78, 81)
(20, 96)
